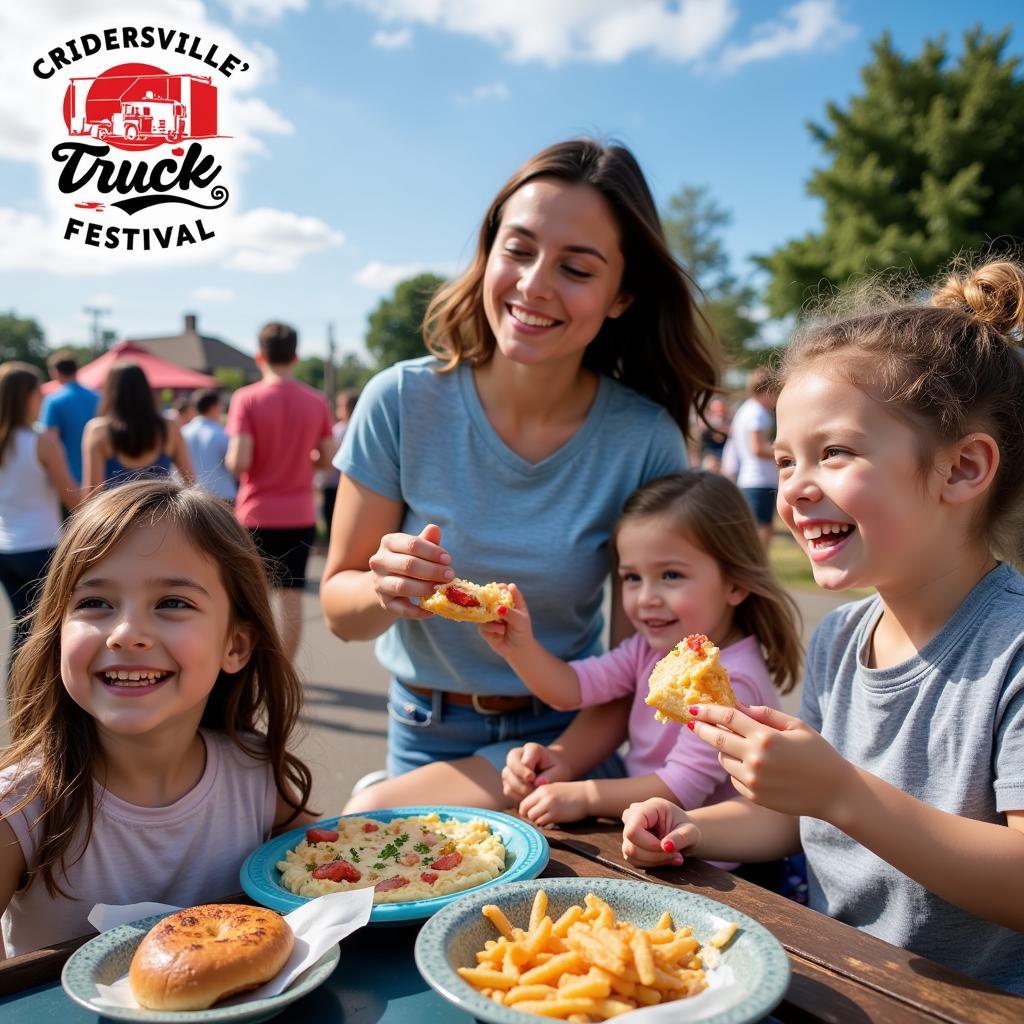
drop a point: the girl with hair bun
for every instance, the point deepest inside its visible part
(900, 445)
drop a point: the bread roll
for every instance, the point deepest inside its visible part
(463, 601)
(689, 674)
(196, 957)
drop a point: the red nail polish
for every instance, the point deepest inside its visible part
(668, 846)
(542, 781)
(694, 711)
(502, 610)
(690, 725)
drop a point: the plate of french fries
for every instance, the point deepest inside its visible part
(588, 949)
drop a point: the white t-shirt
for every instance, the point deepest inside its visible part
(753, 470)
(187, 853)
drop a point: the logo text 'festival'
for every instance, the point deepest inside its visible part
(132, 108)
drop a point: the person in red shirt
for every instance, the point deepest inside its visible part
(280, 432)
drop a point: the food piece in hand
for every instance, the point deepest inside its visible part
(468, 602)
(689, 674)
(196, 957)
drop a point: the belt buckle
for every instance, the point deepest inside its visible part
(479, 708)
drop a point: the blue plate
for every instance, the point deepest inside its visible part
(107, 957)
(526, 856)
(451, 938)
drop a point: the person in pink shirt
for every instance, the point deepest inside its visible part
(690, 561)
(280, 432)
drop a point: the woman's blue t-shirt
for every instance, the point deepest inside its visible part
(423, 438)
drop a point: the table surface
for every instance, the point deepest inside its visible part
(839, 973)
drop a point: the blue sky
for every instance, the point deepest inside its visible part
(370, 136)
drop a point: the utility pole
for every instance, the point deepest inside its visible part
(95, 312)
(329, 366)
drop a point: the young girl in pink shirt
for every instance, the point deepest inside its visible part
(689, 561)
(150, 711)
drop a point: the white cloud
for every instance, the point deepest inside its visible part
(807, 25)
(594, 30)
(397, 40)
(490, 91)
(271, 241)
(262, 10)
(382, 277)
(212, 294)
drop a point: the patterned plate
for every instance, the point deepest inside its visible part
(526, 856)
(107, 957)
(451, 938)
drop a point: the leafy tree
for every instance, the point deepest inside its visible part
(395, 326)
(693, 226)
(924, 163)
(22, 339)
(351, 372)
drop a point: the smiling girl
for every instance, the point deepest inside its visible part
(566, 363)
(900, 447)
(150, 710)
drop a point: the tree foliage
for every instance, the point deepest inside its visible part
(693, 225)
(395, 326)
(23, 339)
(924, 163)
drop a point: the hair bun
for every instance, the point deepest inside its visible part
(992, 295)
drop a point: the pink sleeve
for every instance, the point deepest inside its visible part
(238, 416)
(327, 427)
(607, 677)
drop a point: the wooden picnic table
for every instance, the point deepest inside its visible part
(839, 974)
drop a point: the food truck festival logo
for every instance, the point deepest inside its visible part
(140, 138)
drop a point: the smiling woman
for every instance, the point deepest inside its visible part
(565, 365)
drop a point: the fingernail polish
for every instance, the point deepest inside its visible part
(502, 610)
(542, 781)
(668, 846)
(694, 711)
(690, 725)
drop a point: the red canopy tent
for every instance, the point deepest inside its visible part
(159, 372)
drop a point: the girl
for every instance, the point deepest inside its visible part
(34, 480)
(566, 361)
(150, 711)
(689, 561)
(900, 446)
(129, 439)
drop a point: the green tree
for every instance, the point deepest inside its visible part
(351, 372)
(693, 226)
(310, 370)
(22, 339)
(394, 331)
(925, 162)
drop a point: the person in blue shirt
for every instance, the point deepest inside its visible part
(207, 442)
(67, 410)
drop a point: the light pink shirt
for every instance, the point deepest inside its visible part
(286, 420)
(187, 853)
(687, 766)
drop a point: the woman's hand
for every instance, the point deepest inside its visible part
(514, 632)
(775, 760)
(405, 566)
(531, 765)
(655, 832)
(553, 802)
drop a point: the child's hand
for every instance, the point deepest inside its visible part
(775, 760)
(531, 765)
(514, 632)
(555, 802)
(655, 831)
(404, 567)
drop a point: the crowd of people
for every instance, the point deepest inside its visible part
(543, 439)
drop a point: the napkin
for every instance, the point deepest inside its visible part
(318, 925)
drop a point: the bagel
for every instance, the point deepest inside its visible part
(689, 674)
(196, 957)
(463, 601)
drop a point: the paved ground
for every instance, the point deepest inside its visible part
(343, 733)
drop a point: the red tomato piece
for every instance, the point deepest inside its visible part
(369, 826)
(338, 871)
(410, 858)
(321, 835)
(696, 643)
(429, 877)
(458, 596)
(447, 862)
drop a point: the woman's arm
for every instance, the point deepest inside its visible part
(51, 457)
(12, 868)
(178, 450)
(93, 453)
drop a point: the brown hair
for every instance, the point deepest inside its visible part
(63, 362)
(278, 343)
(661, 346)
(135, 423)
(18, 382)
(257, 707)
(712, 513)
(947, 368)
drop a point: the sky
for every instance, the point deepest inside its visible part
(366, 138)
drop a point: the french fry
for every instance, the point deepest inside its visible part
(723, 935)
(538, 937)
(665, 921)
(585, 987)
(643, 958)
(521, 992)
(570, 962)
(540, 908)
(498, 919)
(569, 918)
(483, 977)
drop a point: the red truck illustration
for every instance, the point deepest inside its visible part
(139, 106)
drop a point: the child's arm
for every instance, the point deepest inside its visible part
(783, 764)
(547, 677)
(12, 868)
(596, 798)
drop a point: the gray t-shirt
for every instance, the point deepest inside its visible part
(946, 726)
(423, 438)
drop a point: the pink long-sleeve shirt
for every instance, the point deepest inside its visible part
(687, 766)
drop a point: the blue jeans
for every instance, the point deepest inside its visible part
(424, 729)
(762, 503)
(21, 575)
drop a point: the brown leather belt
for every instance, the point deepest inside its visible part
(484, 704)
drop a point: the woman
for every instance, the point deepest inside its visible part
(34, 480)
(565, 363)
(129, 439)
